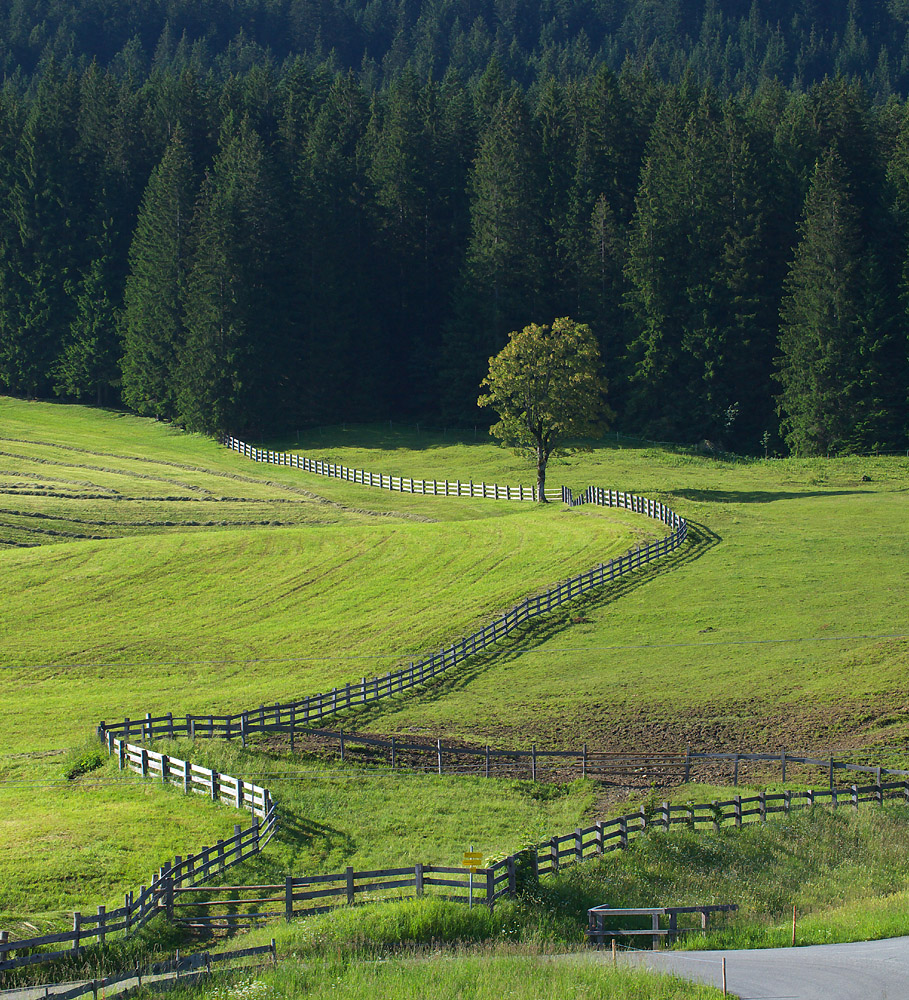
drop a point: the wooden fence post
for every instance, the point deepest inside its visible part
(392, 752)
(855, 801)
(121, 754)
(578, 845)
(623, 831)
(554, 849)
(763, 798)
(439, 753)
(289, 898)
(77, 924)
(102, 924)
(783, 764)
(418, 879)
(687, 764)
(350, 885)
(666, 816)
(341, 737)
(738, 811)
(735, 773)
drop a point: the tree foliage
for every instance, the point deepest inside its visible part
(545, 384)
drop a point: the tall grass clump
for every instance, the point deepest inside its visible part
(464, 976)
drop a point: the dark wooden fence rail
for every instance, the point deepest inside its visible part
(139, 907)
(315, 707)
(161, 974)
(319, 893)
(230, 907)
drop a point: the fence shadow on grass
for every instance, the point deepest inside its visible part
(761, 496)
(538, 631)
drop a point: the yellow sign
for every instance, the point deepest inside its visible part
(473, 860)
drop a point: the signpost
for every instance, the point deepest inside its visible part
(472, 860)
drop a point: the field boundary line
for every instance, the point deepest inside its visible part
(315, 707)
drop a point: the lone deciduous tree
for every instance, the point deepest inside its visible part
(546, 386)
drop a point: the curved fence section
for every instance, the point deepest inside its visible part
(140, 907)
(184, 873)
(314, 707)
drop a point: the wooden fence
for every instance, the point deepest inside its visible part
(526, 762)
(230, 907)
(140, 907)
(315, 707)
(160, 974)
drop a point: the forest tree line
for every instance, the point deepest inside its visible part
(276, 247)
(734, 44)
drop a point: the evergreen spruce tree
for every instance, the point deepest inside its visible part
(88, 366)
(333, 340)
(821, 332)
(233, 367)
(44, 226)
(153, 320)
(504, 274)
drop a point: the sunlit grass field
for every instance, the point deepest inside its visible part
(789, 628)
(196, 617)
(753, 637)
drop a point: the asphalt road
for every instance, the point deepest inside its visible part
(866, 970)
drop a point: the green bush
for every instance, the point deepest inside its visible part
(82, 760)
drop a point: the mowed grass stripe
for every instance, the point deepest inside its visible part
(221, 619)
(333, 592)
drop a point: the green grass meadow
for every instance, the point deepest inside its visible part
(150, 570)
(467, 976)
(217, 617)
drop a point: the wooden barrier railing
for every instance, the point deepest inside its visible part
(597, 917)
(324, 892)
(140, 907)
(315, 707)
(158, 975)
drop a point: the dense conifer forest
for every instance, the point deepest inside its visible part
(261, 214)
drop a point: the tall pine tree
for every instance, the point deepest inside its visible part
(233, 371)
(829, 346)
(153, 320)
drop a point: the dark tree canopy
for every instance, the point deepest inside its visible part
(228, 216)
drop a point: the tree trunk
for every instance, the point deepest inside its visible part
(541, 473)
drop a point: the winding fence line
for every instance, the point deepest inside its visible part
(138, 908)
(314, 707)
(174, 885)
(503, 878)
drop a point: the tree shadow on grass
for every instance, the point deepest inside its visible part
(538, 631)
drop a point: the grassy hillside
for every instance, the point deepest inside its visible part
(753, 642)
(748, 637)
(199, 617)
